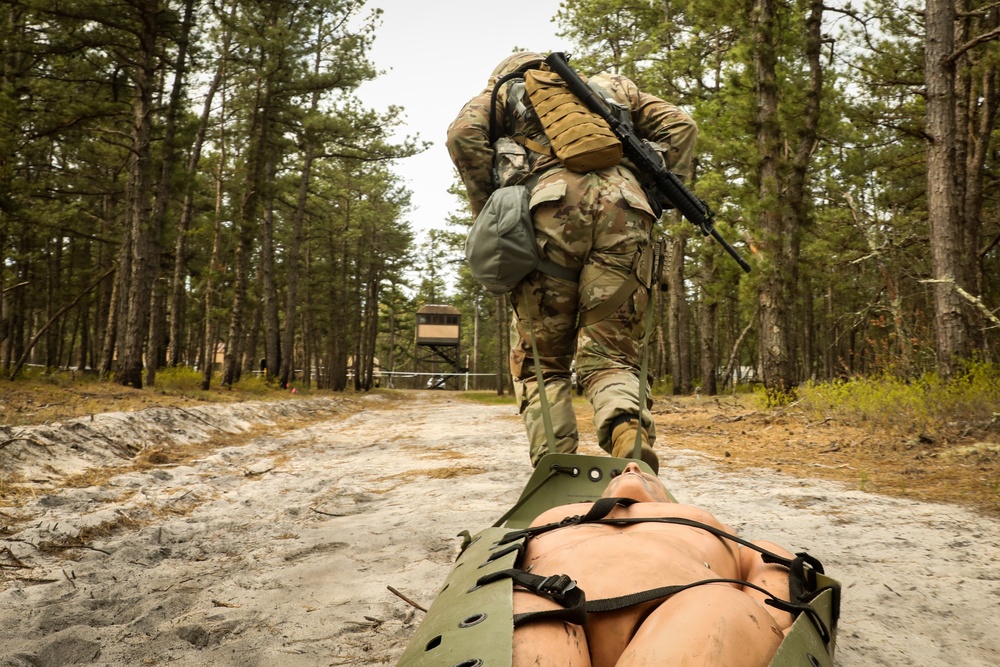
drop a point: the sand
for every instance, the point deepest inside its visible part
(280, 550)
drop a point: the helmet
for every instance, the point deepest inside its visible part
(521, 60)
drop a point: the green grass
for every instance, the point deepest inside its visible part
(926, 404)
(488, 397)
(185, 381)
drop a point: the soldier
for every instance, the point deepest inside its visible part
(598, 223)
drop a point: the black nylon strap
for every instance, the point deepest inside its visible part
(494, 134)
(575, 607)
(768, 556)
(603, 506)
(802, 579)
(559, 588)
(600, 509)
(624, 601)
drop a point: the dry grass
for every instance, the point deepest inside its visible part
(45, 398)
(447, 472)
(736, 432)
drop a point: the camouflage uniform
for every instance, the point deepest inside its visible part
(597, 223)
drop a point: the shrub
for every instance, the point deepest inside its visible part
(255, 384)
(178, 379)
(925, 404)
(773, 398)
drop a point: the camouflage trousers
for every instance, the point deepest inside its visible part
(596, 223)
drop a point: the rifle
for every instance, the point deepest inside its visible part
(645, 158)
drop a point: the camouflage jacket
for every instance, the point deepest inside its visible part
(468, 139)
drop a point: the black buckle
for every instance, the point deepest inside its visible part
(556, 586)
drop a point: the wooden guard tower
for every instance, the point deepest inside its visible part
(438, 336)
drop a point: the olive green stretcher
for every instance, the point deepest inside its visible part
(471, 625)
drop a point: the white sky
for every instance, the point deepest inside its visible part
(437, 54)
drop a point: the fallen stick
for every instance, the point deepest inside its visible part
(405, 599)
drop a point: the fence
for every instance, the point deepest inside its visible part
(452, 381)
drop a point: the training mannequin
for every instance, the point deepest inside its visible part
(715, 624)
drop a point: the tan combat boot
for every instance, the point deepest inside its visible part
(623, 444)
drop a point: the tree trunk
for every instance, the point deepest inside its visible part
(178, 292)
(115, 308)
(679, 317)
(808, 337)
(975, 122)
(662, 356)
(139, 222)
(390, 361)
(337, 360)
(248, 356)
(272, 324)
(298, 217)
(158, 334)
(309, 345)
(776, 364)
(246, 226)
(946, 240)
(796, 216)
(475, 346)
(104, 349)
(370, 328)
(214, 266)
(707, 339)
(294, 258)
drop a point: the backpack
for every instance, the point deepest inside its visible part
(500, 248)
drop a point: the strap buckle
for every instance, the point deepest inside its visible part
(556, 586)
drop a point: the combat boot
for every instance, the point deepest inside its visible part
(623, 444)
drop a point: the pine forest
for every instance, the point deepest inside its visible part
(196, 184)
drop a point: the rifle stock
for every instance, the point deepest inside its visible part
(644, 157)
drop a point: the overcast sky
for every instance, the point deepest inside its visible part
(436, 56)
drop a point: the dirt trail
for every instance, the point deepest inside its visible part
(279, 550)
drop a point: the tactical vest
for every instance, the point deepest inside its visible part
(542, 115)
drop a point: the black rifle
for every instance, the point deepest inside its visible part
(645, 158)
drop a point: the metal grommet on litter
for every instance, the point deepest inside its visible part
(471, 662)
(469, 621)
(595, 474)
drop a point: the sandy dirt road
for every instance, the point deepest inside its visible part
(279, 550)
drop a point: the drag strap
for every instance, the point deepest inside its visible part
(550, 435)
(642, 269)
